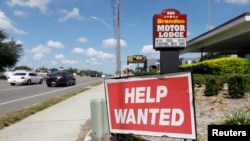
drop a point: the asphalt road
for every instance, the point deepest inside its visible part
(14, 98)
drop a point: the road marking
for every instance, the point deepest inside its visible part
(24, 98)
(12, 89)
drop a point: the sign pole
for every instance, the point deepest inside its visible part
(169, 61)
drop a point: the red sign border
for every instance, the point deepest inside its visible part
(193, 135)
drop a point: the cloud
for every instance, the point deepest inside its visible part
(74, 14)
(78, 51)
(24, 59)
(39, 51)
(19, 13)
(53, 62)
(148, 50)
(112, 43)
(93, 61)
(69, 62)
(38, 56)
(240, 2)
(19, 42)
(105, 55)
(55, 44)
(99, 54)
(82, 40)
(40, 4)
(59, 56)
(7, 24)
(91, 52)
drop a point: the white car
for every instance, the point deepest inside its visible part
(27, 78)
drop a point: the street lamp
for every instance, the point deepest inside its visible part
(107, 25)
(117, 29)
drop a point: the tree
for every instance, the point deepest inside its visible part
(23, 68)
(10, 52)
(72, 70)
(43, 69)
(53, 69)
(209, 56)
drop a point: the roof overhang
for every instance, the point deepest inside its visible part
(232, 37)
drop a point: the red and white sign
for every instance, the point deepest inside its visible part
(169, 29)
(158, 105)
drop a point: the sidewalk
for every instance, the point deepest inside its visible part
(61, 122)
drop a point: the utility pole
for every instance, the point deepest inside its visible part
(118, 46)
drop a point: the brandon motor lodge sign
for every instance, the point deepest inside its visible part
(169, 29)
(158, 105)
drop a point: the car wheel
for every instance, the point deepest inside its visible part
(12, 84)
(49, 85)
(28, 82)
(41, 81)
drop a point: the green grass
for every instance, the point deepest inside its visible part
(237, 118)
(13, 117)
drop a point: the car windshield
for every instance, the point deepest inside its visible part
(20, 74)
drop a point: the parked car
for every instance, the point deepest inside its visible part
(60, 78)
(27, 78)
(3, 76)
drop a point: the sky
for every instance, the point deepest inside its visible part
(81, 33)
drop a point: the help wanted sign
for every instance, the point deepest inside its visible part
(158, 105)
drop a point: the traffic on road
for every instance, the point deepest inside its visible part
(16, 97)
(24, 78)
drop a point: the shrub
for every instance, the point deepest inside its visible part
(198, 80)
(219, 66)
(222, 80)
(237, 118)
(237, 86)
(247, 82)
(211, 86)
